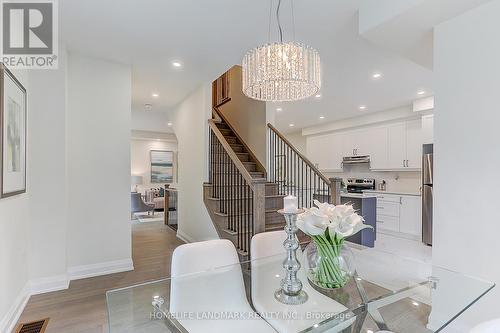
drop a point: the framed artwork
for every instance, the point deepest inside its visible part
(12, 135)
(162, 166)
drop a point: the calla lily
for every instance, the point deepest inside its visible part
(312, 222)
(340, 220)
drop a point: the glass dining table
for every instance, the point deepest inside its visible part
(387, 292)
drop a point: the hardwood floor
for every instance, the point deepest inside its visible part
(82, 307)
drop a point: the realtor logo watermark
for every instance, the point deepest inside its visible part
(29, 34)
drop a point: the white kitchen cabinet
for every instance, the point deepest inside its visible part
(325, 151)
(396, 146)
(316, 150)
(404, 145)
(410, 219)
(414, 144)
(377, 147)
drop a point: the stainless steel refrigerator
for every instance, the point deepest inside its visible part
(427, 180)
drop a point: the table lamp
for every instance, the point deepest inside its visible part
(136, 180)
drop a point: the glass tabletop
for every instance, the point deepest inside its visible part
(387, 292)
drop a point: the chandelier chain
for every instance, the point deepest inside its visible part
(269, 27)
(278, 21)
(293, 21)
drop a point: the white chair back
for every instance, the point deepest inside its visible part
(268, 244)
(207, 280)
(492, 326)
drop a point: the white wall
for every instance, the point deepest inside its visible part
(14, 248)
(33, 225)
(155, 121)
(466, 153)
(141, 159)
(99, 101)
(191, 128)
(298, 141)
(47, 175)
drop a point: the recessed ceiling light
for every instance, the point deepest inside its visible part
(415, 303)
(321, 117)
(318, 95)
(291, 125)
(148, 107)
(421, 92)
(362, 107)
(176, 64)
(279, 109)
(377, 75)
(169, 123)
(155, 95)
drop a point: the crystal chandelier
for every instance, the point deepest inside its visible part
(284, 71)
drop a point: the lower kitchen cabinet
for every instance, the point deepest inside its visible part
(399, 215)
(411, 215)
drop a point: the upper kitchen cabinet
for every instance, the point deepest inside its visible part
(396, 146)
(376, 140)
(325, 151)
(404, 145)
(414, 144)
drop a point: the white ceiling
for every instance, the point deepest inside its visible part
(208, 37)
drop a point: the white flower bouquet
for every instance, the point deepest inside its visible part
(328, 226)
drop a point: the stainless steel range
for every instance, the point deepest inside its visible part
(358, 185)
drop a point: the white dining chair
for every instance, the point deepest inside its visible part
(207, 281)
(267, 271)
(491, 326)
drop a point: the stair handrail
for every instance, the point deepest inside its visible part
(259, 166)
(333, 184)
(306, 160)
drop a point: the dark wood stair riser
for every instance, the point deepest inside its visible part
(237, 148)
(225, 131)
(244, 157)
(274, 202)
(250, 166)
(232, 139)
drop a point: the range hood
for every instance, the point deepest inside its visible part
(356, 159)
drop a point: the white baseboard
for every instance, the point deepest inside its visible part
(10, 319)
(184, 237)
(103, 268)
(49, 284)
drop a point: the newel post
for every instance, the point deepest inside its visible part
(335, 185)
(166, 204)
(259, 206)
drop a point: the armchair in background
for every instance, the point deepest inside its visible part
(138, 205)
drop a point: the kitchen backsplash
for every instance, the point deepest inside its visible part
(406, 181)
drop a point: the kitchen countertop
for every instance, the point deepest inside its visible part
(414, 194)
(357, 195)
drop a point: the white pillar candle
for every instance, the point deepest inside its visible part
(290, 204)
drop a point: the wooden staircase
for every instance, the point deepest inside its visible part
(272, 199)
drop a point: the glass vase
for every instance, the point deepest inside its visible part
(329, 263)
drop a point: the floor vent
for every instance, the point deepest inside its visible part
(38, 326)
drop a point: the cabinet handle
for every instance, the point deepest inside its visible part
(407, 162)
(380, 207)
(381, 222)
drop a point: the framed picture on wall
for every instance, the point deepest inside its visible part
(12, 134)
(162, 166)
